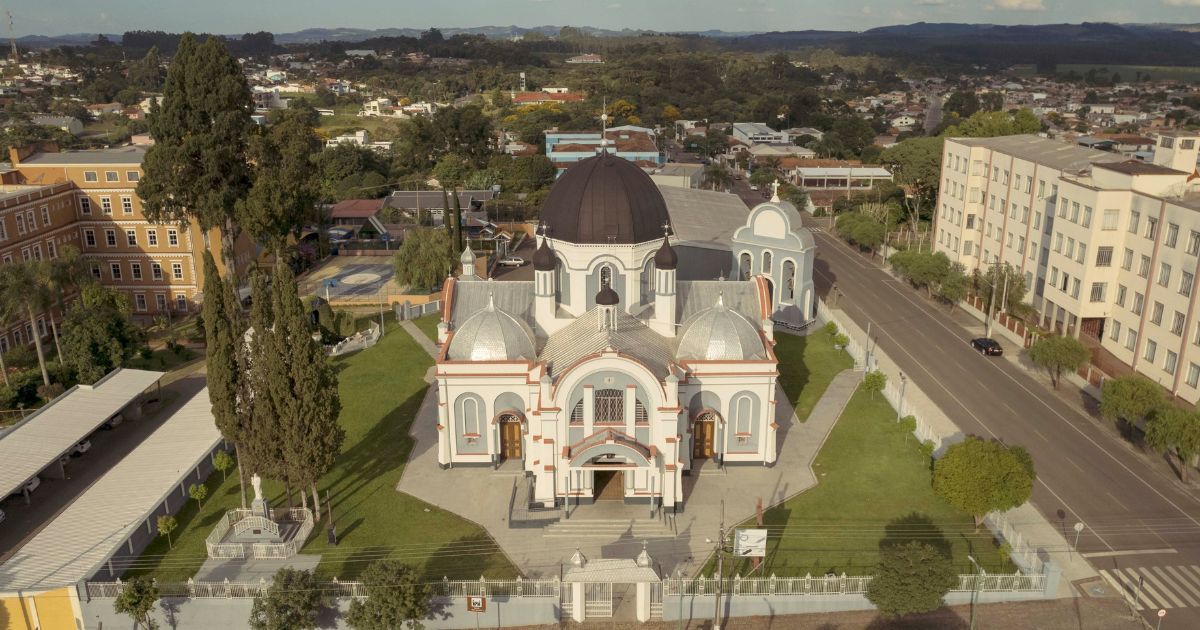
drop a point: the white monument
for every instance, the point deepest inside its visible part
(259, 506)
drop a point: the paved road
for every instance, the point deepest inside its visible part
(1140, 521)
(933, 115)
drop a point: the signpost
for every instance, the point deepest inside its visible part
(750, 543)
(476, 604)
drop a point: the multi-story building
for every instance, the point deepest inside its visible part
(1109, 247)
(87, 200)
(636, 144)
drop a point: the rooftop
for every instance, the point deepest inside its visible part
(356, 208)
(1136, 167)
(1051, 153)
(704, 218)
(118, 155)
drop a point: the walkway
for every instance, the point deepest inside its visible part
(419, 337)
(484, 495)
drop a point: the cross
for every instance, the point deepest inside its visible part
(666, 226)
(775, 190)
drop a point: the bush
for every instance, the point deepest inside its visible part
(911, 578)
(841, 340)
(21, 356)
(874, 382)
(146, 352)
(51, 391)
(831, 329)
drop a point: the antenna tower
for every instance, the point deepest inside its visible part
(12, 38)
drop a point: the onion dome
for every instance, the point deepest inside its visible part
(543, 257)
(605, 200)
(492, 335)
(467, 257)
(665, 257)
(719, 334)
(607, 297)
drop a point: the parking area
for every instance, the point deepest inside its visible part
(352, 277)
(525, 271)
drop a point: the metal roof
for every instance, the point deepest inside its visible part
(610, 570)
(849, 171)
(39, 440)
(584, 337)
(77, 543)
(703, 218)
(492, 335)
(1039, 150)
(605, 199)
(719, 334)
(122, 155)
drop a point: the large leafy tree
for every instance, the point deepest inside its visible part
(424, 259)
(137, 600)
(284, 194)
(98, 335)
(1057, 354)
(197, 169)
(1131, 398)
(917, 166)
(979, 476)
(396, 598)
(292, 602)
(911, 578)
(23, 286)
(224, 334)
(992, 124)
(1173, 430)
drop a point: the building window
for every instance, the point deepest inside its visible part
(1134, 218)
(1156, 313)
(173, 241)
(1121, 291)
(1151, 350)
(609, 406)
(96, 271)
(89, 238)
(51, 250)
(152, 237)
(45, 216)
(90, 176)
(110, 238)
(577, 413)
(115, 270)
(156, 271)
(1144, 267)
(1185, 283)
(1114, 332)
(1074, 212)
(1104, 256)
(1082, 254)
(1087, 216)
(1139, 301)
(1127, 261)
(3, 231)
(132, 176)
(639, 413)
(181, 302)
(1193, 376)
(1151, 228)
(1177, 323)
(25, 254)
(37, 251)
(126, 204)
(743, 410)
(1164, 274)
(139, 301)
(20, 224)
(135, 269)
(1098, 291)
(1172, 234)
(1111, 219)
(177, 270)
(111, 176)
(131, 237)
(85, 205)
(160, 302)
(1058, 242)
(1075, 288)
(1193, 246)
(106, 205)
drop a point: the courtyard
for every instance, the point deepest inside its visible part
(366, 279)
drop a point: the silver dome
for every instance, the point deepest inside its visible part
(719, 334)
(492, 335)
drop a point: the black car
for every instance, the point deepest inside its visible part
(987, 346)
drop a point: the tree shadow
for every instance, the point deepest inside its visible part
(914, 527)
(941, 619)
(170, 609)
(449, 560)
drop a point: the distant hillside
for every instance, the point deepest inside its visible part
(70, 39)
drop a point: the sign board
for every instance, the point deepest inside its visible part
(476, 604)
(750, 543)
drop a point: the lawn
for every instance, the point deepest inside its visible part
(873, 489)
(381, 389)
(428, 325)
(806, 367)
(162, 359)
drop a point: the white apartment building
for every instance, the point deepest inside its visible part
(1109, 247)
(753, 133)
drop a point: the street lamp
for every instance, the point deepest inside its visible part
(975, 587)
(721, 548)
(1162, 612)
(900, 403)
(1078, 530)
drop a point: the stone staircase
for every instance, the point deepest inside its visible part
(609, 529)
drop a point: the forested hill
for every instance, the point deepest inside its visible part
(1044, 44)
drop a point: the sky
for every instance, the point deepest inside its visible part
(54, 17)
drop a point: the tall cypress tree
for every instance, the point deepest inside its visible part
(284, 195)
(223, 334)
(197, 169)
(265, 362)
(312, 437)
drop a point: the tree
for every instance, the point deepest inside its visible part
(147, 74)
(223, 462)
(224, 334)
(167, 524)
(978, 476)
(1057, 354)
(67, 271)
(22, 285)
(962, 103)
(992, 124)
(284, 194)
(196, 171)
(265, 387)
(861, 230)
(137, 599)
(916, 165)
(198, 492)
(874, 382)
(292, 602)
(98, 335)
(1171, 429)
(1131, 398)
(1010, 287)
(954, 286)
(396, 598)
(911, 578)
(717, 176)
(923, 269)
(424, 259)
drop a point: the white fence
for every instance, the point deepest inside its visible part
(336, 588)
(842, 585)
(358, 341)
(240, 520)
(413, 311)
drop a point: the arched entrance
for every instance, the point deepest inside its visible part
(704, 434)
(510, 435)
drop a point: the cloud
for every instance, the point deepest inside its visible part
(615, 5)
(930, 3)
(866, 11)
(1182, 3)
(1019, 5)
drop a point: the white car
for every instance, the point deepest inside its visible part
(113, 422)
(29, 486)
(512, 261)
(753, 186)
(82, 447)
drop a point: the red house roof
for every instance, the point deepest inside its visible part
(356, 208)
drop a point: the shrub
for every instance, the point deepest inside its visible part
(831, 329)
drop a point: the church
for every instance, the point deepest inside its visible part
(641, 349)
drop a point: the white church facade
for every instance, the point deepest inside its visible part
(626, 362)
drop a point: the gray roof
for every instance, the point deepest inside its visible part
(40, 439)
(719, 334)
(513, 297)
(584, 337)
(739, 295)
(609, 570)
(492, 335)
(81, 539)
(704, 218)
(1051, 153)
(130, 155)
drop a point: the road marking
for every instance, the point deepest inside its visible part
(1118, 583)
(1044, 438)
(1043, 403)
(1148, 595)
(1072, 462)
(1154, 579)
(1181, 588)
(1127, 552)
(1186, 577)
(1110, 495)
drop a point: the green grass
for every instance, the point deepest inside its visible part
(381, 390)
(806, 367)
(873, 488)
(428, 325)
(162, 360)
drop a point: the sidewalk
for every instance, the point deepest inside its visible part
(419, 337)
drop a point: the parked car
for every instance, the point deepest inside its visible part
(987, 347)
(113, 422)
(81, 447)
(2, 515)
(512, 261)
(754, 187)
(29, 486)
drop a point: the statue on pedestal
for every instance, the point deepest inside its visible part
(259, 506)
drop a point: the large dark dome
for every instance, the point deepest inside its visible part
(605, 199)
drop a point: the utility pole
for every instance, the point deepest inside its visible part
(12, 39)
(991, 305)
(720, 570)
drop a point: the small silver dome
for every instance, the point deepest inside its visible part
(467, 257)
(719, 334)
(492, 335)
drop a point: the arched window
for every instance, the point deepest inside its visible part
(558, 272)
(577, 413)
(744, 266)
(605, 276)
(648, 281)
(789, 281)
(610, 406)
(639, 413)
(470, 416)
(766, 266)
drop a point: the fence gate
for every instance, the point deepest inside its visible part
(566, 595)
(597, 600)
(656, 600)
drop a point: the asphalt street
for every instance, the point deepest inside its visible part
(1141, 524)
